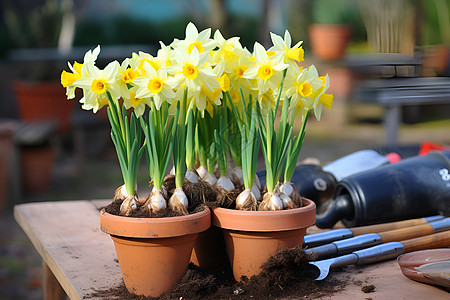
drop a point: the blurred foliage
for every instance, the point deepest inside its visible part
(33, 24)
(436, 24)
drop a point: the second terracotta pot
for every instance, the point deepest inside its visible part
(251, 237)
(154, 253)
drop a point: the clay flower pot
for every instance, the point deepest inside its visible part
(210, 251)
(329, 41)
(154, 253)
(251, 237)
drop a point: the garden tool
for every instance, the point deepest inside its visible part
(414, 187)
(321, 238)
(371, 239)
(382, 252)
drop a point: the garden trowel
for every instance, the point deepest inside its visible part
(382, 252)
(321, 238)
(371, 239)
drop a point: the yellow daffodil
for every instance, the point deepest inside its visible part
(138, 104)
(128, 74)
(200, 41)
(96, 83)
(320, 98)
(301, 86)
(282, 47)
(155, 84)
(165, 55)
(266, 71)
(192, 71)
(228, 52)
(67, 78)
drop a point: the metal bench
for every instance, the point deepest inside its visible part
(395, 93)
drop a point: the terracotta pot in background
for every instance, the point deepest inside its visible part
(36, 164)
(6, 150)
(154, 253)
(44, 101)
(251, 237)
(329, 41)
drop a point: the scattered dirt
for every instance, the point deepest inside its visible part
(368, 288)
(286, 275)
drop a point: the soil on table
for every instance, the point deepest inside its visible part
(287, 275)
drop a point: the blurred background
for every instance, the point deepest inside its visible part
(388, 62)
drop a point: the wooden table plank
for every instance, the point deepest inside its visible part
(67, 236)
(83, 260)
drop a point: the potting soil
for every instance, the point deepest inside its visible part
(287, 275)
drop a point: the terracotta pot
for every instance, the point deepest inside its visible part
(210, 251)
(329, 41)
(44, 101)
(154, 253)
(6, 150)
(36, 165)
(251, 237)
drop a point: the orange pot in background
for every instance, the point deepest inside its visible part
(36, 165)
(329, 41)
(154, 253)
(44, 101)
(251, 237)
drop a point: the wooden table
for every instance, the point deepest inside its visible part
(79, 259)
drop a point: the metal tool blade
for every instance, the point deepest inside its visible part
(325, 265)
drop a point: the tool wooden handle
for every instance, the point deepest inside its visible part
(436, 240)
(406, 233)
(387, 226)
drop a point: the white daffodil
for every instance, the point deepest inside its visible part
(96, 83)
(237, 80)
(127, 76)
(301, 86)
(282, 47)
(320, 98)
(192, 71)
(201, 41)
(266, 71)
(165, 55)
(155, 84)
(138, 104)
(67, 79)
(228, 52)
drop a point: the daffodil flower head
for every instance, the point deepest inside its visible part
(266, 71)
(200, 41)
(283, 47)
(144, 57)
(228, 52)
(320, 98)
(97, 82)
(165, 55)
(156, 84)
(128, 74)
(193, 71)
(67, 79)
(138, 104)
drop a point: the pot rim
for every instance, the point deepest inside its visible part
(155, 227)
(263, 221)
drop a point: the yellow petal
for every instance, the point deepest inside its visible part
(326, 99)
(224, 82)
(296, 54)
(67, 79)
